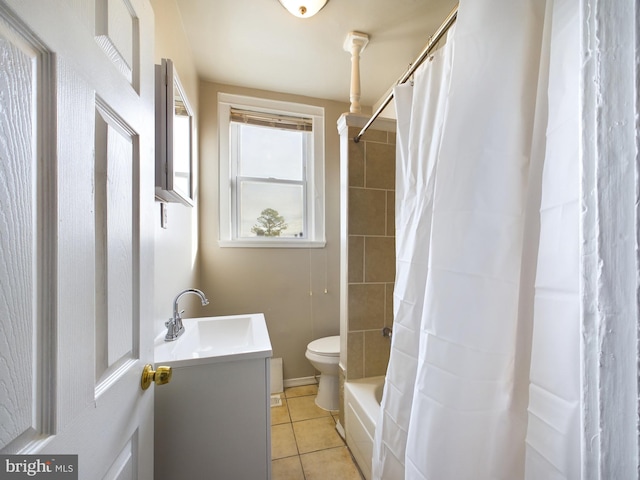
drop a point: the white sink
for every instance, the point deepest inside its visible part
(216, 339)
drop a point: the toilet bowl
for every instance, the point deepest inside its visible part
(324, 355)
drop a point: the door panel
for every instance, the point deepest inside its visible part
(124, 466)
(116, 33)
(116, 320)
(76, 257)
(17, 235)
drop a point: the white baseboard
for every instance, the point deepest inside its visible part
(340, 430)
(298, 382)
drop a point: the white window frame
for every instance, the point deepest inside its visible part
(314, 174)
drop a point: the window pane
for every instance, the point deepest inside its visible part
(271, 152)
(271, 210)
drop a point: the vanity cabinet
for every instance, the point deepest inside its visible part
(212, 421)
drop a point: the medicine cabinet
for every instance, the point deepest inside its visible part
(174, 138)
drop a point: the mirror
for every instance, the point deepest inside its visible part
(174, 138)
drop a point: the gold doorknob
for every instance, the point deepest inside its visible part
(160, 376)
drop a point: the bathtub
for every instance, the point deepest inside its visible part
(362, 406)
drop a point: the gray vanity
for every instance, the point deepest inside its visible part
(212, 421)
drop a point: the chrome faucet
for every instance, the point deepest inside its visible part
(174, 325)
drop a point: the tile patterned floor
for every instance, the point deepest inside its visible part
(304, 442)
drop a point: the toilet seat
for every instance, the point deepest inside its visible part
(325, 347)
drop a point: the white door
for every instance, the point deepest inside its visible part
(76, 238)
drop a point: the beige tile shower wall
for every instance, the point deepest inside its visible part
(370, 251)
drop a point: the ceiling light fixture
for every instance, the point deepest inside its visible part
(303, 8)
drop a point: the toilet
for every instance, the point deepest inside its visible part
(324, 355)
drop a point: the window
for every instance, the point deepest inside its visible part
(271, 173)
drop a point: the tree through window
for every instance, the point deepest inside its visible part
(270, 224)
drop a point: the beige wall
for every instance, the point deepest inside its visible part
(176, 249)
(287, 285)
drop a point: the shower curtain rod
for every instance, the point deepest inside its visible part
(433, 40)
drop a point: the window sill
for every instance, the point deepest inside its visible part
(271, 244)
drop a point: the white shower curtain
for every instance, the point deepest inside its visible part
(483, 379)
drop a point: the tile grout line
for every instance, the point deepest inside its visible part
(299, 455)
